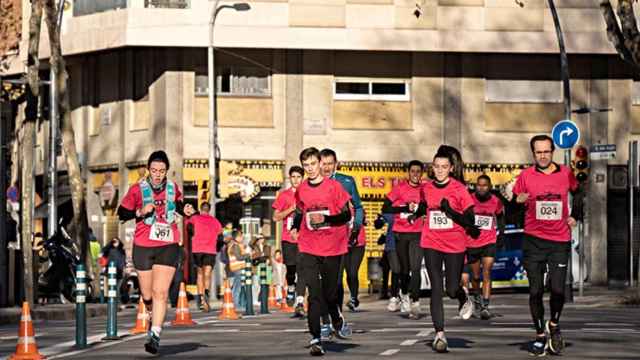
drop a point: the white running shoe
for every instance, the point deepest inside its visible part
(405, 303)
(414, 313)
(466, 309)
(394, 304)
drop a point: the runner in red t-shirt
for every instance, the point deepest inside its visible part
(204, 230)
(284, 211)
(489, 212)
(322, 215)
(153, 203)
(449, 219)
(543, 190)
(402, 201)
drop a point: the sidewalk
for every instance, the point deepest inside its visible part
(50, 312)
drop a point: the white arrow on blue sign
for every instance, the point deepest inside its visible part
(565, 134)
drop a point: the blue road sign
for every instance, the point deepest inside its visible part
(565, 134)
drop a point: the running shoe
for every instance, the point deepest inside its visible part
(477, 306)
(299, 311)
(538, 347)
(291, 295)
(326, 331)
(414, 313)
(555, 342)
(485, 314)
(153, 343)
(466, 308)
(394, 304)
(342, 330)
(315, 347)
(405, 303)
(353, 304)
(440, 343)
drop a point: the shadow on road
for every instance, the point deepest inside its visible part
(338, 347)
(180, 348)
(454, 343)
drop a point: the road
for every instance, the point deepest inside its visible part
(592, 331)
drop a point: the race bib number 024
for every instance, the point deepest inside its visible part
(439, 221)
(161, 232)
(484, 222)
(548, 210)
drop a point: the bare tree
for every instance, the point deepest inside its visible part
(622, 30)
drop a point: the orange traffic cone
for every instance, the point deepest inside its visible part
(283, 305)
(183, 315)
(228, 309)
(26, 348)
(273, 303)
(143, 321)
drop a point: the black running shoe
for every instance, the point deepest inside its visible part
(485, 314)
(538, 347)
(555, 343)
(299, 312)
(315, 347)
(153, 343)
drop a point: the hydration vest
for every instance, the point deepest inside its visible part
(170, 203)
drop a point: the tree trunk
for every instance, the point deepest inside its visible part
(622, 30)
(79, 226)
(27, 145)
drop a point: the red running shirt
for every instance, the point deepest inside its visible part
(133, 201)
(327, 198)
(285, 200)
(440, 232)
(205, 233)
(401, 195)
(547, 208)
(486, 220)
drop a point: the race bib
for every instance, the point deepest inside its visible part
(317, 226)
(548, 210)
(484, 222)
(161, 232)
(439, 221)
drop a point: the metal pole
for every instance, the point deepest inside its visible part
(633, 176)
(213, 125)
(53, 136)
(581, 259)
(4, 252)
(112, 304)
(81, 309)
(248, 287)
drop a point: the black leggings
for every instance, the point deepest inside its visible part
(410, 256)
(453, 265)
(352, 261)
(321, 274)
(539, 255)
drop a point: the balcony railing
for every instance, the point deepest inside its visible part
(87, 7)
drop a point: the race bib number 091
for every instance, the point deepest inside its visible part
(484, 222)
(161, 232)
(548, 210)
(439, 221)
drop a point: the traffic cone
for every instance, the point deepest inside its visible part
(142, 321)
(283, 305)
(26, 349)
(273, 303)
(228, 309)
(183, 315)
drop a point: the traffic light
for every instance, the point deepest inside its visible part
(581, 168)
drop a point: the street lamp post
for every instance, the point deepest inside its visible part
(213, 119)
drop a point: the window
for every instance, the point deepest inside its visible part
(387, 90)
(523, 91)
(236, 81)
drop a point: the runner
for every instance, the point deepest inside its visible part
(329, 164)
(321, 217)
(204, 230)
(154, 202)
(450, 218)
(403, 201)
(544, 189)
(389, 262)
(489, 212)
(285, 206)
(352, 261)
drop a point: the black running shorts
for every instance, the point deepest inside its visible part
(289, 253)
(145, 257)
(202, 259)
(476, 254)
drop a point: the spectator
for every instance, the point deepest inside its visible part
(279, 271)
(114, 251)
(237, 253)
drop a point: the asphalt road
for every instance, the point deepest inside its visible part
(592, 331)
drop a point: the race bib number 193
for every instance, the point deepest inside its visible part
(439, 221)
(161, 232)
(548, 210)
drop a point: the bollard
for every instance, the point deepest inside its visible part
(112, 303)
(81, 307)
(248, 292)
(101, 276)
(264, 289)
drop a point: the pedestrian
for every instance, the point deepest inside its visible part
(260, 256)
(320, 224)
(203, 230)
(154, 203)
(237, 253)
(284, 210)
(543, 190)
(279, 274)
(114, 252)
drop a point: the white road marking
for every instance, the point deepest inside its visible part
(396, 330)
(608, 324)
(97, 347)
(389, 352)
(425, 333)
(409, 342)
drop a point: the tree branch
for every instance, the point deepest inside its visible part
(616, 36)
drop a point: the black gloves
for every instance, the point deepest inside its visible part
(353, 238)
(379, 222)
(382, 239)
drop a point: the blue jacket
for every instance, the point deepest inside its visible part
(390, 243)
(349, 184)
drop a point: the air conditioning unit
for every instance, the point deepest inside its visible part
(618, 177)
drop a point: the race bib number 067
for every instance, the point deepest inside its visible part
(548, 210)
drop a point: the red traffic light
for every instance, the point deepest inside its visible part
(581, 152)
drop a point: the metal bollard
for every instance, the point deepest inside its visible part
(81, 307)
(101, 276)
(112, 304)
(248, 291)
(264, 289)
